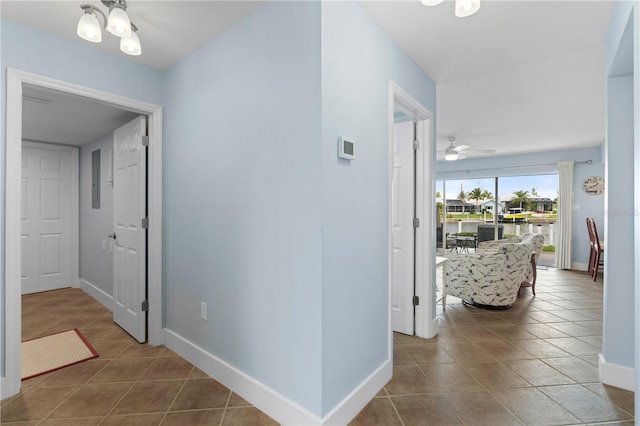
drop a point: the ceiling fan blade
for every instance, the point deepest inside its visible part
(460, 148)
(482, 151)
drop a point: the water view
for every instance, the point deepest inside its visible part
(455, 226)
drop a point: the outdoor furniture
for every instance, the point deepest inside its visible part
(464, 243)
(451, 242)
(597, 248)
(538, 243)
(487, 232)
(490, 278)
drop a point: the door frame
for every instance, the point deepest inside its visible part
(426, 322)
(74, 273)
(10, 382)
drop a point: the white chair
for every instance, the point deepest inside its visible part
(538, 243)
(489, 278)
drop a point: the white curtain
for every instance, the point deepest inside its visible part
(565, 207)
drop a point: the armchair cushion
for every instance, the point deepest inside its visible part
(536, 239)
(489, 277)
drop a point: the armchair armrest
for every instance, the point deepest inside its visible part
(492, 244)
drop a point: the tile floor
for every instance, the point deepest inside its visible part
(535, 363)
(129, 384)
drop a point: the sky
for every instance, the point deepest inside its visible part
(545, 185)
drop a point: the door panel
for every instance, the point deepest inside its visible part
(46, 218)
(402, 193)
(129, 208)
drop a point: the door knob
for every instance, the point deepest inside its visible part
(113, 236)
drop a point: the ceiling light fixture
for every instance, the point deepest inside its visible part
(463, 8)
(451, 156)
(117, 23)
(466, 8)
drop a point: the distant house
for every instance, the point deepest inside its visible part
(489, 205)
(457, 206)
(542, 204)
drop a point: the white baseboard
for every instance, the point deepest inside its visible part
(349, 408)
(8, 387)
(92, 290)
(575, 266)
(280, 408)
(616, 375)
(430, 329)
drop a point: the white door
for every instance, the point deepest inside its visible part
(46, 218)
(403, 209)
(129, 210)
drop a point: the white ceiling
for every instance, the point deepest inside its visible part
(168, 30)
(54, 117)
(516, 77)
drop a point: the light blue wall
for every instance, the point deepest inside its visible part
(621, 281)
(27, 49)
(96, 263)
(358, 61)
(241, 189)
(584, 205)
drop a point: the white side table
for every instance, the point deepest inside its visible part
(442, 262)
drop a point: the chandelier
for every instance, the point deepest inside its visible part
(464, 8)
(117, 23)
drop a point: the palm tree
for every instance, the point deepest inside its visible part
(476, 194)
(462, 196)
(519, 197)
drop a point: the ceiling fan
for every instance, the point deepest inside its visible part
(453, 152)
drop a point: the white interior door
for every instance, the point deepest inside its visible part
(403, 209)
(46, 217)
(129, 210)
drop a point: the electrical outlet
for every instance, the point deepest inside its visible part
(203, 311)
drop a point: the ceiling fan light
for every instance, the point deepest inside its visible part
(431, 2)
(118, 23)
(89, 27)
(131, 45)
(466, 8)
(451, 156)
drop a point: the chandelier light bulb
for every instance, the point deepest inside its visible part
(118, 23)
(466, 8)
(131, 45)
(89, 27)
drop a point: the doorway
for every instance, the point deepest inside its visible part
(16, 80)
(421, 301)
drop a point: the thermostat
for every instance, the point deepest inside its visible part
(346, 148)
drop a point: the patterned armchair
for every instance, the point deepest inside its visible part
(538, 242)
(489, 278)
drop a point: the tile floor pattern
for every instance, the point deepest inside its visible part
(129, 384)
(535, 363)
